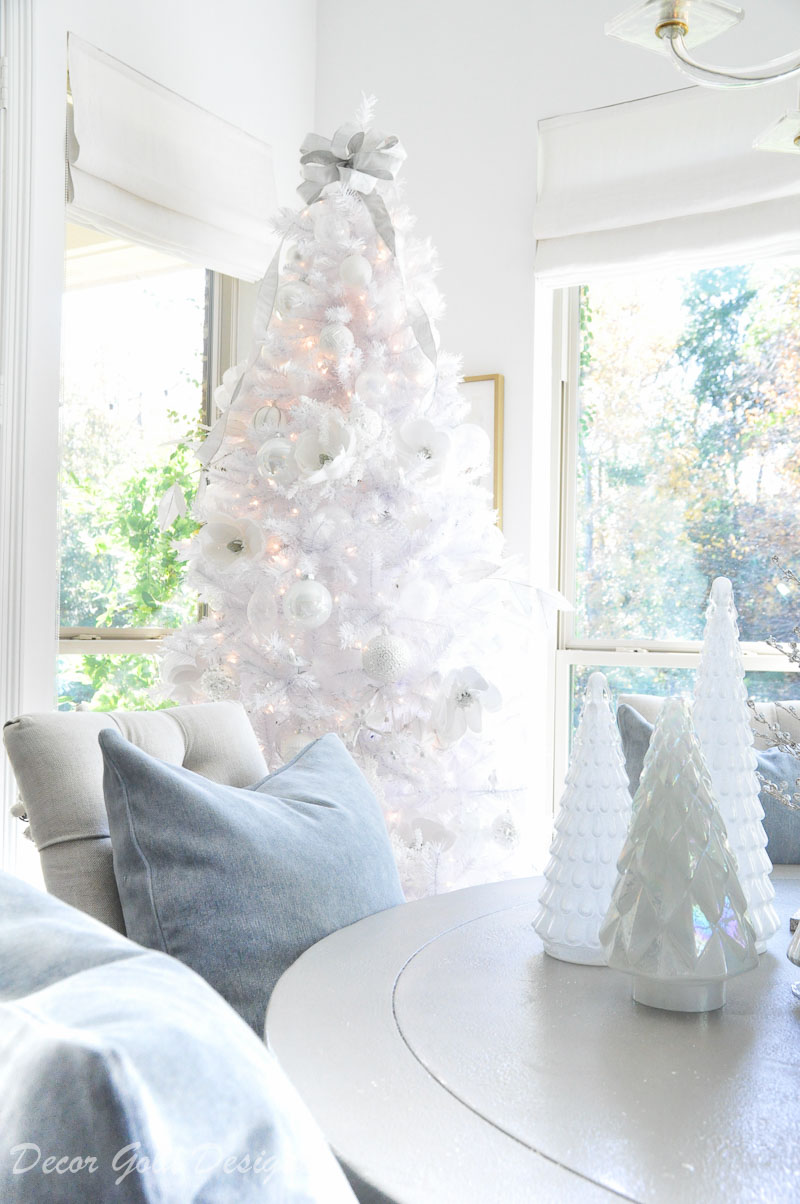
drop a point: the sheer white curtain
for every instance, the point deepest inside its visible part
(671, 176)
(150, 166)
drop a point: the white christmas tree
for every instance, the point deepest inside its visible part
(351, 564)
(590, 829)
(678, 919)
(722, 721)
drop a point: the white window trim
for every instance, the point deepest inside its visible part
(569, 650)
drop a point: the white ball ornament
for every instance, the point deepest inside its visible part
(355, 271)
(387, 658)
(295, 299)
(371, 385)
(336, 339)
(307, 603)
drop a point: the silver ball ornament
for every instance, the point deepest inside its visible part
(307, 603)
(387, 658)
(355, 271)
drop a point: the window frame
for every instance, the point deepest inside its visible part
(221, 351)
(570, 650)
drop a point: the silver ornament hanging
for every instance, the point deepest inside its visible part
(387, 658)
(504, 831)
(216, 684)
(266, 420)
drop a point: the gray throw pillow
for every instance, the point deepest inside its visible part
(781, 824)
(238, 883)
(125, 1078)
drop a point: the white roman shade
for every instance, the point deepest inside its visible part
(673, 176)
(147, 165)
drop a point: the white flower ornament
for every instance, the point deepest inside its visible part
(465, 695)
(423, 444)
(325, 454)
(225, 540)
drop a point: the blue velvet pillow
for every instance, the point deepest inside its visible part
(238, 883)
(125, 1078)
(781, 824)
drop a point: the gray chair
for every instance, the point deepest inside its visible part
(59, 770)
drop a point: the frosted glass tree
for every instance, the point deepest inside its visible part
(678, 919)
(590, 829)
(722, 721)
(349, 556)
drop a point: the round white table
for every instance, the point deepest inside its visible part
(448, 1060)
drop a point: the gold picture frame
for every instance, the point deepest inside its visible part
(485, 396)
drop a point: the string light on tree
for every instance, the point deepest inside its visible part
(353, 559)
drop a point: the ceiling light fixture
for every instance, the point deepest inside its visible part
(675, 27)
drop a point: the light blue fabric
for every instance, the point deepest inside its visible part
(119, 1058)
(238, 883)
(781, 824)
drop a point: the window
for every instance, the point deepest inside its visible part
(135, 386)
(681, 423)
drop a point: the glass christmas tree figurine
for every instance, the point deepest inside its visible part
(589, 833)
(722, 722)
(678, 918)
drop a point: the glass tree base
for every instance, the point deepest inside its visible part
(697, 20)
(783, 136)
(675, 996)
(580, 955)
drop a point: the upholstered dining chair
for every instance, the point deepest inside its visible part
(58, 765)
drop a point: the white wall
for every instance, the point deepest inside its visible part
(463, 83)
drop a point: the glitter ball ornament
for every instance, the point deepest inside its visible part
(387, 658)
(216, 684)
(355, 271)
(295, 300)
(336, 339)
(505, 832)
(274, 459)
(307, 603)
